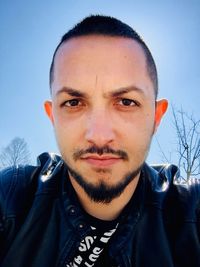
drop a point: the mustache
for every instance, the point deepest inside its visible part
(99, 151)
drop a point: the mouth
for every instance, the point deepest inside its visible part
(101, 161)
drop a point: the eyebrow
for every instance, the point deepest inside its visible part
(125, 90)
(115, 93)
(72, 92)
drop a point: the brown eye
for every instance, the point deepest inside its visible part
(72, 103)
(127, 102)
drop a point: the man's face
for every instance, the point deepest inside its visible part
(103, 108)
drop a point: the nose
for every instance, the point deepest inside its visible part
(99, 129)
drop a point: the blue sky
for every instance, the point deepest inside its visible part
(30, 31)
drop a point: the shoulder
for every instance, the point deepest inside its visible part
(167, 187)
(169, 175)
(18, 181)
(160, 177)
(13, 181)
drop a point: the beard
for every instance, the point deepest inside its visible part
(103, 193)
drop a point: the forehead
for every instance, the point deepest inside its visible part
(112, 62)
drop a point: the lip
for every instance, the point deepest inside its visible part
(104, 161)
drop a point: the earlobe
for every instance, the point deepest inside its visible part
(48, 109)
(161, 108)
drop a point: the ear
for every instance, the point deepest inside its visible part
(48, 109)
(161, 108)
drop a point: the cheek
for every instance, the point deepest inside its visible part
(68, 132)
(148, 124)
(138, 133)
(140, 124)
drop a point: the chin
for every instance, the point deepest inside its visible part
(102, 191)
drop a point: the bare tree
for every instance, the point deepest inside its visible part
(187, 141)
(15, 153)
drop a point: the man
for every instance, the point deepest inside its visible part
(100, 204)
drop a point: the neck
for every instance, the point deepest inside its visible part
(105, 211)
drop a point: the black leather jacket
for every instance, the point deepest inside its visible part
(41, 225)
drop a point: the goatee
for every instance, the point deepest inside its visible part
(103, 193)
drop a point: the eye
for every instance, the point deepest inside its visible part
(127, 102)
(72, 103)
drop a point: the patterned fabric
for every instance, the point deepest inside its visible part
(93, 245)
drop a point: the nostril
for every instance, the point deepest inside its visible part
(99, 136)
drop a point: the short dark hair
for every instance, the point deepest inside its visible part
(108, 26)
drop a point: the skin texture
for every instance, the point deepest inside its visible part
(104, 114)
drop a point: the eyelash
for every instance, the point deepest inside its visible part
(71, 101)
(130, 101)
(80, 103)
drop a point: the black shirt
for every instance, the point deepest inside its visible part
(92, 250)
